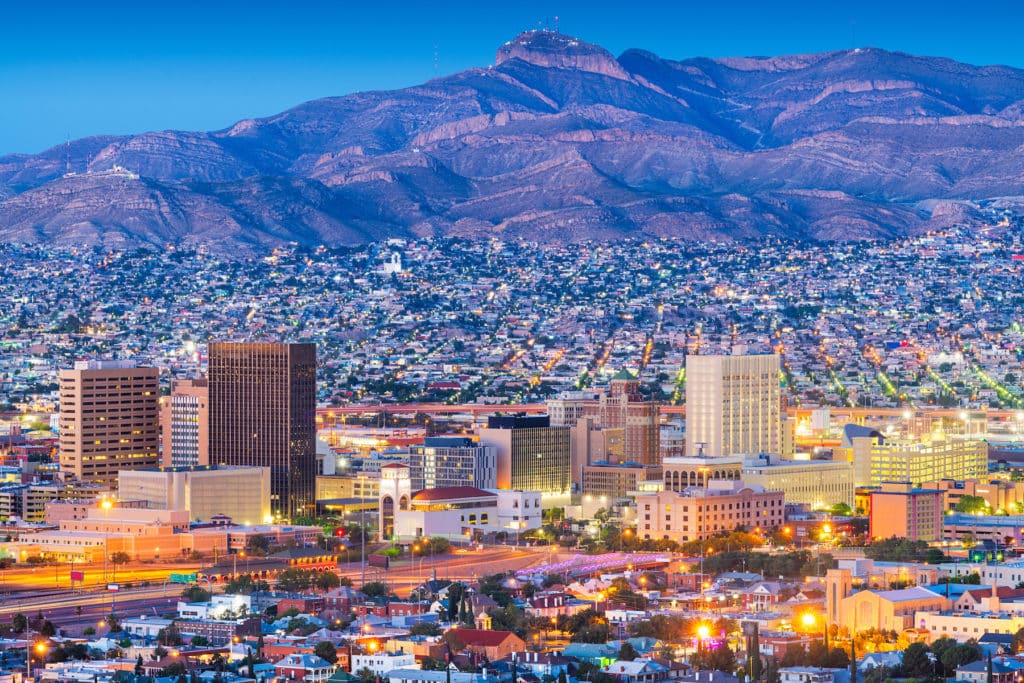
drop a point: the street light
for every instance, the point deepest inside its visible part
(39, 648)
(106, 505)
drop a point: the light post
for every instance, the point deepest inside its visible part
(362, 524)
(40, 648)
(703, 517)
(106, 505)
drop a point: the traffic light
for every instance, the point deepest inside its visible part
(340, 532)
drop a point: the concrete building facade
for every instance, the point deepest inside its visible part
(241, 493)
(898, 509)
(452, 461)
(697, 513)
(185, 424)
(531, 455)
(263, 414)
(733, 405)
(109, 419)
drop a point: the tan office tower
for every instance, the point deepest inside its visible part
(263, 414)
(185, 424)
(733, 405)
(109, 419)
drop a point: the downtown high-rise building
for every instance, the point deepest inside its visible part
(733, 405)
(531, 455)
(109, 419)
(624, 408)
(263, 414)
(185, 424)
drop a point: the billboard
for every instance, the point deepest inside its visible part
(381, 561)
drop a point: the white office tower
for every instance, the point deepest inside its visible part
(733, 405)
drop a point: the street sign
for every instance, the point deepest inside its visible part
(113, 587)
(78, 576)
(182, 578)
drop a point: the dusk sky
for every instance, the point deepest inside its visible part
(89, 68)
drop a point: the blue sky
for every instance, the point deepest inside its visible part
(95, 67)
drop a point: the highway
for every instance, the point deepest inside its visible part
(62, 606)
(335, 416)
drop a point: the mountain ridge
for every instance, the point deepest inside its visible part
(558, 140)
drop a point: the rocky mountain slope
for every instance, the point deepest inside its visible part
(558, 140)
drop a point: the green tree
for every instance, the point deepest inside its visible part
(326, 651)
(138, 666)
(19, 623)
(973, 505)
(627, 652)
(721, 658)
(916, 662)
(195, 593)
(199, 641)
(375, 589)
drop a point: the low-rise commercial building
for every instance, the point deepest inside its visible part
(899, 509)
(240, 493)
(703, 512)
(817, 483)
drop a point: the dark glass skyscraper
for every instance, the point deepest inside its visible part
(263, 413)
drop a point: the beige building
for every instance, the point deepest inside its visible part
(241, 493)
(1001, 495)
(932, 457)
(142, 533)
(890, 610)
(362, 486)
(733, 405)
(962, 626)
(703, 512)
(898, 509)
(616, 481)
(818, 483)
(109, 419)
(680, 473)
(185, 424)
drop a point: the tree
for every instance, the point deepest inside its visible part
(199, 641)
(425, 628)
(595, 633)
(138, 666)
(119, 558)
(754, 656)
(375, 589)
(721, 658)
(19, 623)
(627, 652)
(326, 651)
(916, 662)
(325, 581)
(196, 594)
(114, 623)
(47, 630)
(169, 636)
(366, 676)
(841, 510)
(972, 505)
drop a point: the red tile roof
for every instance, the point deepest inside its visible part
(481, 637)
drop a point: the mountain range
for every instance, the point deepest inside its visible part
(560, 141)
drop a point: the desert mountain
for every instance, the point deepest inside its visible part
(558, 140)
